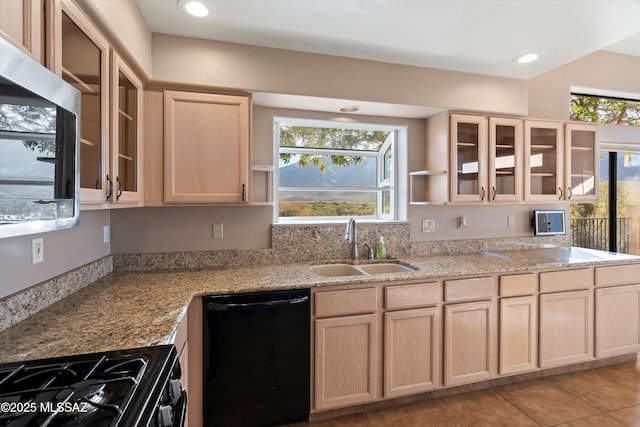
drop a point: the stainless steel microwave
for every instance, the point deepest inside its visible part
(39, 147)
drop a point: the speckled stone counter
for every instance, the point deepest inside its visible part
(129, 310)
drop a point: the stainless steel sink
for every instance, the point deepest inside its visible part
(342, 269)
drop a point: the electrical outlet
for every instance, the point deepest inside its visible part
(217, 231)
(511, 221)
(106, 234)
(428, 225)
(37, 250)
(462, 222)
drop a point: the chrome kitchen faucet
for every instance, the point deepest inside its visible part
(350, 236)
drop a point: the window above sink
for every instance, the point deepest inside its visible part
(330, 170)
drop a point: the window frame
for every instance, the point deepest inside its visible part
(391, 145)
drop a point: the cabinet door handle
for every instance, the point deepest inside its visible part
(243, 192)
(560, 188)
(110, 188)
(494, 193)
(569, 193)
(120, 188)
(484, 193)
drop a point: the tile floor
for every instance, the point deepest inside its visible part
(602, 397)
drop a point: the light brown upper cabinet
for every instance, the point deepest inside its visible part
(544, 150)
(505, 159)
(560, 161)
(468, 167)
(21, 23)
(111, 140)
(485, 160)
(206, 148)
(126, 134)
(581, 164)
(81, 57)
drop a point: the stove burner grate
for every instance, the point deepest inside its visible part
(70, 394)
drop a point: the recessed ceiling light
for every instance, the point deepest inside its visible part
(194, 7)
(350, 109)
(526, 58)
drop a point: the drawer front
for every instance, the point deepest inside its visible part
(477, 288)
(518, 285)
(341, 303)
(412, 296)
(568, 280)
(618, 275)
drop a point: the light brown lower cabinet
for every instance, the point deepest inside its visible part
(617, 320)
(412, 351)
(518, 334)
(188, 341)
(470, 345)
(345, 360)
(566, 328)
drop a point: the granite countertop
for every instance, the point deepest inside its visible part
(129, 310)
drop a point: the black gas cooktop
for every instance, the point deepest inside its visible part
(120, 388)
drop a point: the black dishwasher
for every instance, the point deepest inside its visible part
(256, 363)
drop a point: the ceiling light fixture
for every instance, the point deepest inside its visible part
(194, 7)
(526, 58)
(350, 109)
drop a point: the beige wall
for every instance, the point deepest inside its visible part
(63, 251)
(167, 229)
(124, 25)
(235, 66)
(550, 93)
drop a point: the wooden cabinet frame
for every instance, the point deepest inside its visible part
(469, 342)
(536, 154)
(617, 320)
(206, 148)
(345, 360)
(566, 328)
(417, 336)
(24, 27)
(90, 198)
(589, 151)
(479, 150)
(123, 195)
(412, 351)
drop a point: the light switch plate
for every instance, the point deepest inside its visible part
(106, 235)
(511, 221)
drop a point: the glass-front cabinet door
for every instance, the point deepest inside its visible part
(468, 138)
(505, 159)
(126, 133)
(83, 60)
(543, 161)
(581, 167)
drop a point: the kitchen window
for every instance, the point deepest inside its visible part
(610, 224)
(329, 170)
